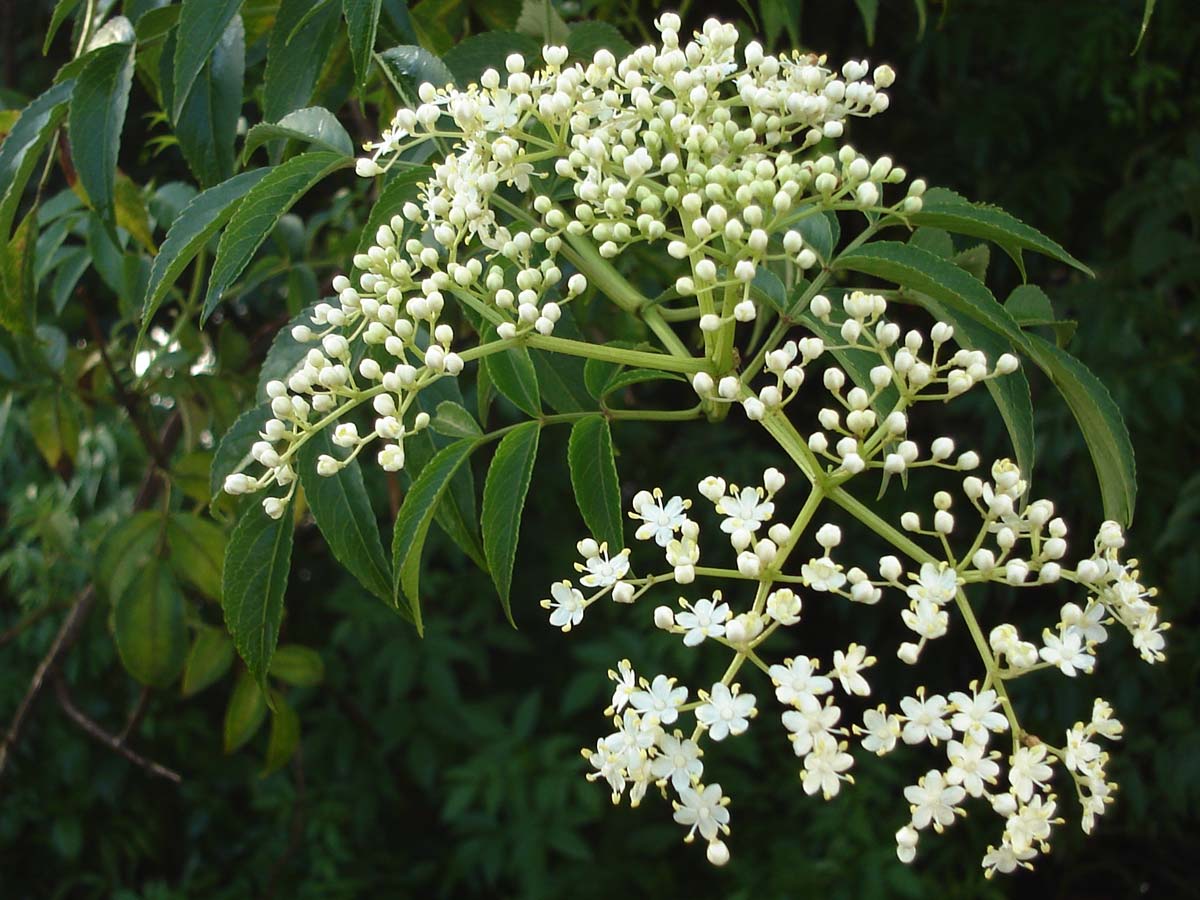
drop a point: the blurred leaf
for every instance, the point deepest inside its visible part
(210, 658)
(148, 625)
(1147, 15)
(257, 559)
(503, 500)
(342, 508)
(197, 552)
(131, 212)
(54, 423)
(124, 550)
(594, 479)
(452, 420)
(412, 523)
(298, 666)
(95, 122)
(245, 712)
(539, 19)
(196, 224)
(467, 59)
(62, 9)
(1100, 420)
(362, 18)
(257, 214)
(315, 125)
(201, 26)
(586, 38)
(20, 150)
(18, 297)
(869, 10)
(290, 74)
(285, 735)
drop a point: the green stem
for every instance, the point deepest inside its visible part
(684, 365)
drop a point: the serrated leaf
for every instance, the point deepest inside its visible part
(561, 382)
(95, 122)
(201, 25)
(298, 666)
(586, 38)
(362, 19)
(314, 125)
(597, 374)
(594, 479)
(974, 260)
(245, 712)
(945, 209)
(199, 220)
(21, 148)
(919, 270)
(935, 240)
(148, 625)
(62, 9)
(399, 189)
(1028, 304)
(468, 59)
(767, 286)
(258, 213)
(408, 66)
(343, 512)
(285, 735)
(1101, 423)
(294, 44)
(233, 451)
(504, 493)
(514, 376)
(208, 661)
(414, 518)
(197, 552)
(453, 420)
(257, 560)
(820, 232)
(631, 377)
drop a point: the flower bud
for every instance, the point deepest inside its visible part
(664, 618)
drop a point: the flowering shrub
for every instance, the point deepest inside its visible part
(731, 163)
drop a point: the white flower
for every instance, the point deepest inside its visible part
(661, 701)
(824, 765)
(726, 712)
(848, 667)
(925, 719)
(706, 618)
(933, 801)
(702, 809)
(626, 685)
(937, 583)
(783, 605)
(567, 605)
(881, 729)
(1004, 859)
(795, 679)
(970, 766)
(976, 715)
(926, 618)
(1066, 652)
(1031, 823)
(603, 571)
(1085, 623)
(746, 509)
(822, 574)
(809, 720)
(659, 521)
(1027, 770)
(678, 760)
(1081, 754)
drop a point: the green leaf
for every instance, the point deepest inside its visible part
(767, 286)
(123, 551)
(257, 559)
(407, 67)
(285, 735)
(919, 270)
(503, 500)
(62, 9)
(258, 213)
(199, 220)
(594, 479)
(869, 10)
(820, 232)
(453, 420)
(945, 209)
(298, 666)
(148, 626)
(55, 426)
(974, 260)
(586, 38)
(314, 125)
(412, 523)
(857, 363)
(20, 149)
(210, 658)
(539, 19)
(197, 552)
(1101, 423)
(290, 74)
(1147, 15)
(638, 376)
(935, 240)
(285, 356)
(202, 24)
(206, 125)
(399, 189)
(233, 452)
(18, 287)
(245, 713)
(468, 59)
(95, 122)
(1029, 305)
(342, 508)
(560, 379)
(514, 376)
(362, 18)
(1010, 392)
